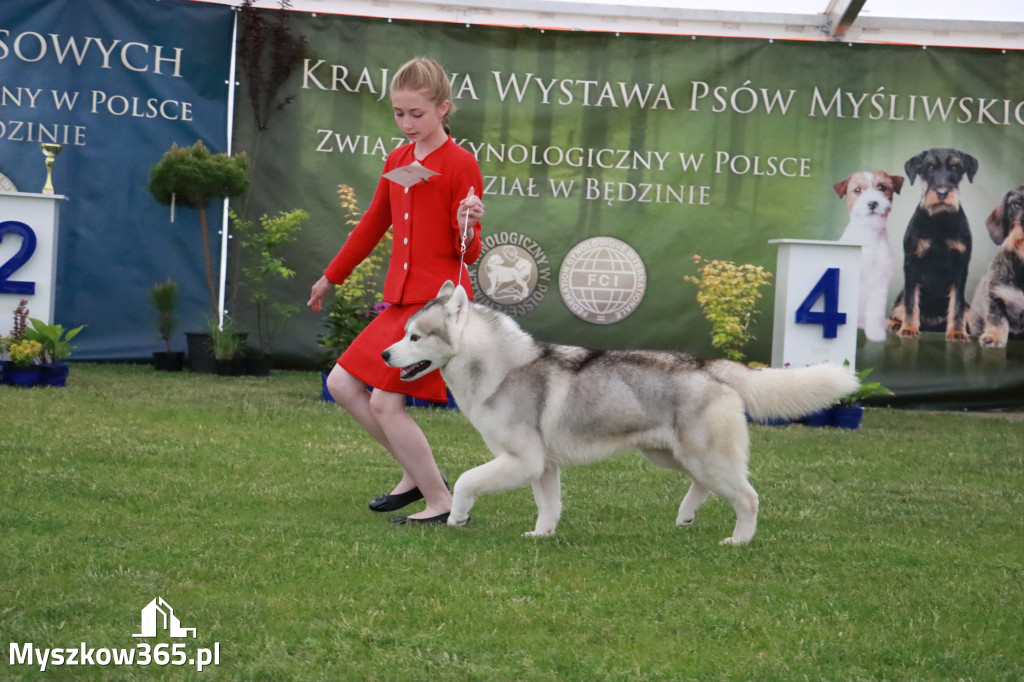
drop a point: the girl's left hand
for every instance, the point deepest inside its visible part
(321, 288)
(471, 211)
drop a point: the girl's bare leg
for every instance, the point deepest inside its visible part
(384, 417)
(411, 450)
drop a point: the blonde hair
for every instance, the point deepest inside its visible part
(426, 76)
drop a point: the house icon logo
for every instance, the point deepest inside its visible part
(157, 613)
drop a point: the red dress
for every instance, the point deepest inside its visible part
(425, 252)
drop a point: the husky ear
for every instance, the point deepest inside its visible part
(446, 289)
(458, 306)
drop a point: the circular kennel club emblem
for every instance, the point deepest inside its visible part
(602, 280)
(512, 274)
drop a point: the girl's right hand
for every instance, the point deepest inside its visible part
(471, 211)
(318, 292)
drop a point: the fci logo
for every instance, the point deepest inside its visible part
(159, 613)
(602, 280)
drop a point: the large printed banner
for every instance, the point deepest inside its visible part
(115, 83)
(611, 160)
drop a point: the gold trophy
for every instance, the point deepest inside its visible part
(50, 151)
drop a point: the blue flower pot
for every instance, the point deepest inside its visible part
(819, 418)
(26, 377)
(840, 416)
(419, 402)
(53, 374)
(325, 395)
(847, 416)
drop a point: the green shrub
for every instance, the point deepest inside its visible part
(728, 295)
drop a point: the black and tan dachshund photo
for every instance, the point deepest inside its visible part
(936, 248)
(997, 310)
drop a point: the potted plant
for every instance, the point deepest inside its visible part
(226, 345)
(265, 266)
(357, 300)
(23, 371)
(164, 297)
(17, 332)
(193, 177)
(849, 412)
(55, 345)
(728, 295)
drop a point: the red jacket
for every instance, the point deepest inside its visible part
(426, 238)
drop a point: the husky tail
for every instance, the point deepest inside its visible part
(788, 393)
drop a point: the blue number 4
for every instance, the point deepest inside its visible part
(829, 318)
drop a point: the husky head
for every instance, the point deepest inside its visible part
(432, 334)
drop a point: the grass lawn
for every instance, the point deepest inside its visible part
(893, 552)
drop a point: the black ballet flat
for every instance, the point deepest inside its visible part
(388, 502)
(439, 519)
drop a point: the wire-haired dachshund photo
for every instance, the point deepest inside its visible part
(936, 248)
(997, 309)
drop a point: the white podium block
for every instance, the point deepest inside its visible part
(817, 286)
(28, 254)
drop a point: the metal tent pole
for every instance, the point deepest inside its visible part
(225, 234)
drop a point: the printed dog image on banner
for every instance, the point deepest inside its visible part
(997, 310)
(936, 248)
(869, 196)
(542, 406)
(675, 146)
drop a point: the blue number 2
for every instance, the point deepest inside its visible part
(829, 318)
(28, 247)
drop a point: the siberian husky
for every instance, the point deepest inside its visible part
(542, 406)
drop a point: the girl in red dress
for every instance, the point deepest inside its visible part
(431, 222)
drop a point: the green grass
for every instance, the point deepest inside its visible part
(892, 552)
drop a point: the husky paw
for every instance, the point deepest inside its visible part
(683, 523)
(733, 541)
(456, 522)
(539, 533)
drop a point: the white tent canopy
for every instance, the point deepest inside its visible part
(979, 23)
